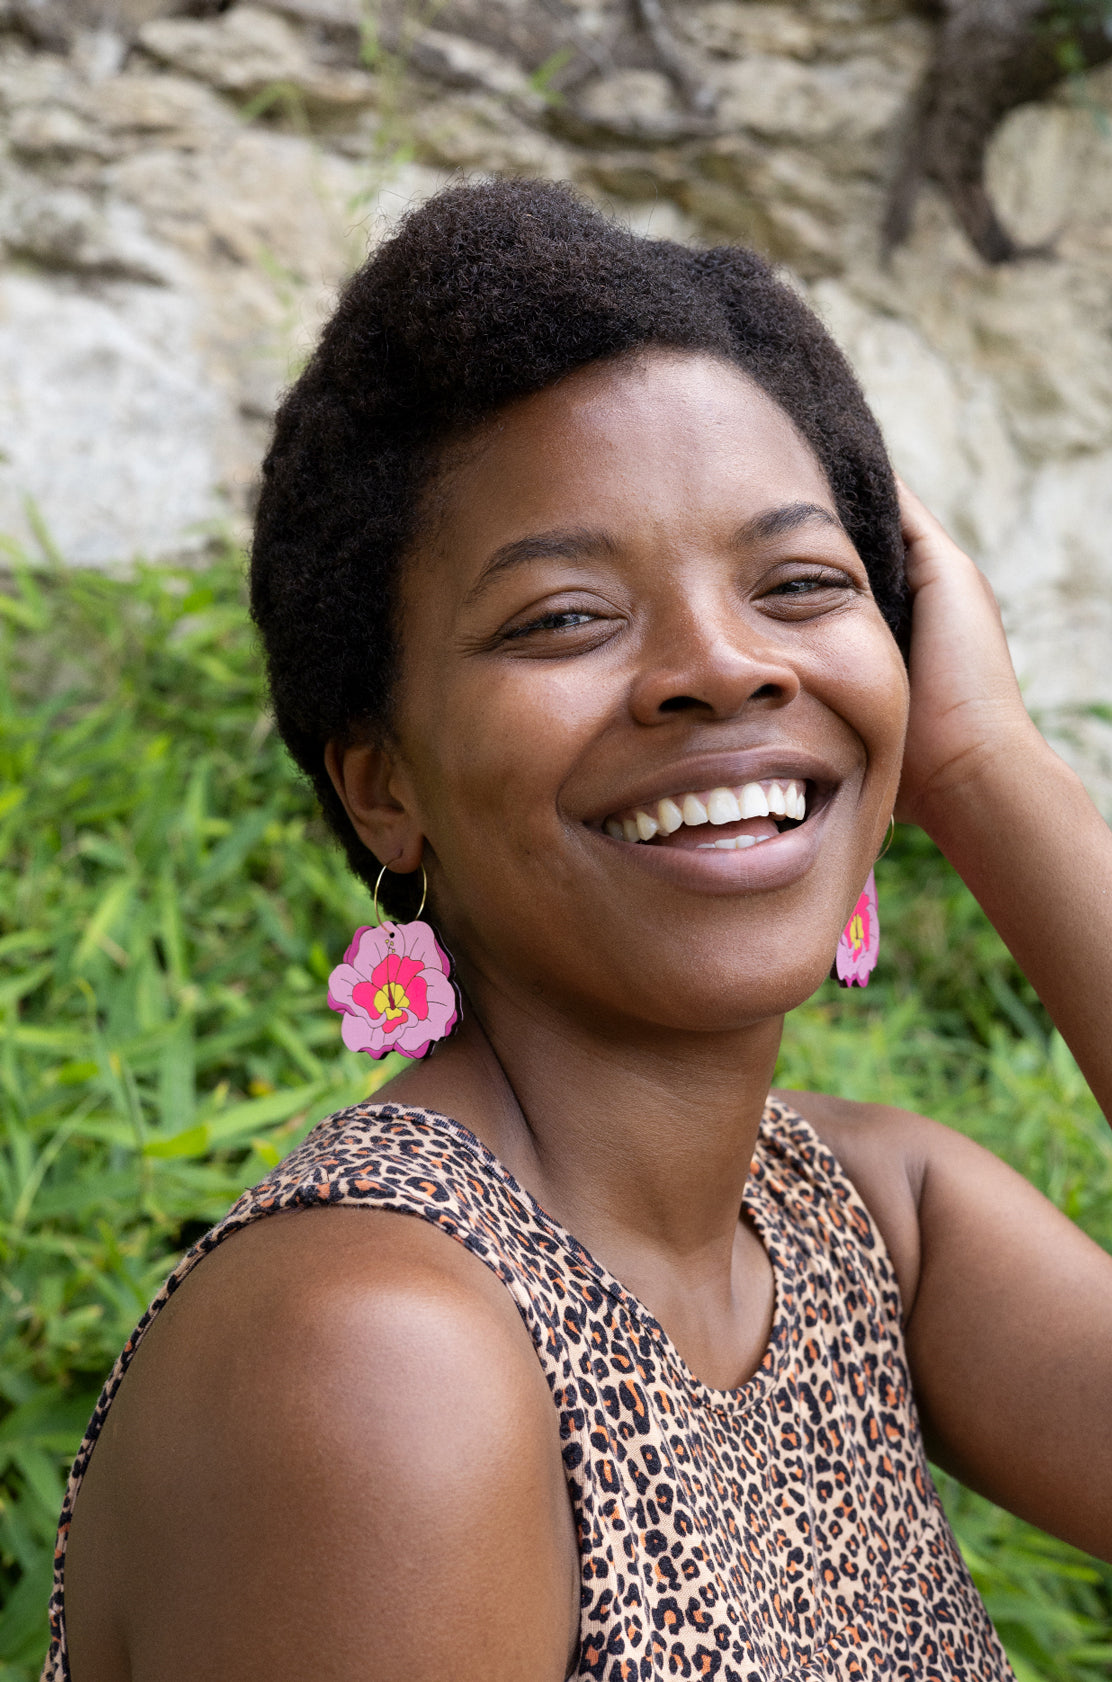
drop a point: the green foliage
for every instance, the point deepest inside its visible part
(1067, 23)
(169, 911)
(168, 919)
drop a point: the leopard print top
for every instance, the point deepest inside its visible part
(786, 1531)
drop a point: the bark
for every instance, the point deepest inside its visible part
(991, 56)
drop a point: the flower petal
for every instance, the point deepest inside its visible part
(405, 971)
(417, 993)
(340, 984)
(364, 998)
(359, 953)
(443, 1006)
(360, 1035)
(422, 944)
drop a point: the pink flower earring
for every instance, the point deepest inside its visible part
(394, 988)
(855, 958)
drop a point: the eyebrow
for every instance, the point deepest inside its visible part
(778, 522)
(574, 545)
(581, 545)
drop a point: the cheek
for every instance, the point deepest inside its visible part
(868, 686)
(497, 749)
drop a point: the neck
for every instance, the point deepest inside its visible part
(639, 1145)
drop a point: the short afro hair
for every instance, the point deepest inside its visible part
(488, 292)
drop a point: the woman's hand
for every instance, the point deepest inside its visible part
(965, 702)
(1008, 1335)
(1011, 817)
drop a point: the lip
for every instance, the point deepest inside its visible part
(722, 770)
(776, 863)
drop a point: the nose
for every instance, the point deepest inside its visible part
(712, 663)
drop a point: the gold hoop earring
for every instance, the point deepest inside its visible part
(394, 988)
(888, 840)
(377, 914)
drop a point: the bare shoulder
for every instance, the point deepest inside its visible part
(334, 1446)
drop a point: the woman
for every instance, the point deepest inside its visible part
(569, 540)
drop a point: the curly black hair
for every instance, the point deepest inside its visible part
(488, 292)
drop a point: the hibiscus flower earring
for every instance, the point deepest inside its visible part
(394, 988)
(855, 959)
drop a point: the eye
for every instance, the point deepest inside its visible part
(807, 583)
(808, 591)
(564, 621)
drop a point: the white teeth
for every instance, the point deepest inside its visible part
(669, 817)
(722, 806)
(729, 844)
(781, 798)
(753, 802)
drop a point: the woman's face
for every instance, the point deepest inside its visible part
(635, 602)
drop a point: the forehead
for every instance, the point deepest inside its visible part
(661, 434)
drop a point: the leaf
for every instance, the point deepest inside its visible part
(22, 1622)
(104, 919)
(241, 1119)
(20, 985)
(72, 1074)
(236, 1121)
(194, 1141)
(47, 1419)
(226, 859)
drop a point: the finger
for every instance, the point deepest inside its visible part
(918, 525)
(929, 546)
(914, 517)
(915, 514)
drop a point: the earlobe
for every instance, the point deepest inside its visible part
(376, 796)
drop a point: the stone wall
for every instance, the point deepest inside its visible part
(181, 195)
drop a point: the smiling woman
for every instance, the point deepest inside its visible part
(580, 570)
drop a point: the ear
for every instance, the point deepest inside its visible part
(378, 798)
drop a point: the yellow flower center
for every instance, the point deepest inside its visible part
(391, 1001)
(856, 931)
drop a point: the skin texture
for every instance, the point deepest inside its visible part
(335, 1456)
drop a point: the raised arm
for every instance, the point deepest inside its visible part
(1013, 819)
(1009, 1330)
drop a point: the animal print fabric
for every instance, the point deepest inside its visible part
(786, 1531)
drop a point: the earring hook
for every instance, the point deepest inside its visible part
(424, 893)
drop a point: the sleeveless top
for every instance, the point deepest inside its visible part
(785, 1531)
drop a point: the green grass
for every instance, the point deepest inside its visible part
(169, 912)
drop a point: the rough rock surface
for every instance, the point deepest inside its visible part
(184, 186)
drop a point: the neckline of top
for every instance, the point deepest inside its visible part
(769, 1368)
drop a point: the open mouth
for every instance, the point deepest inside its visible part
(725, 819)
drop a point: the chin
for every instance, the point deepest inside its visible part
(725, 1001)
